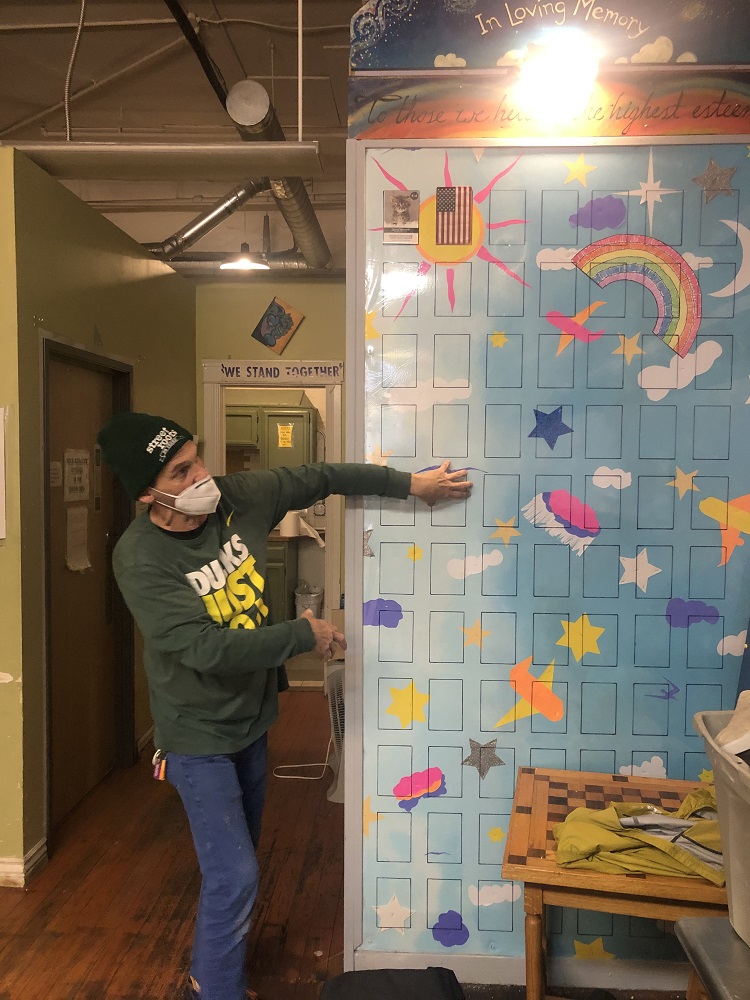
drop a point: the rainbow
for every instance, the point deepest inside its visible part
(658, 267)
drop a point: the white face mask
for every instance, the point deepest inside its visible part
(200, 498)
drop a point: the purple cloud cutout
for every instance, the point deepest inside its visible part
(600, 213)
(450, 929)
(683, 614)
(382, 612)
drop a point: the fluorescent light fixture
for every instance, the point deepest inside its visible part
(557, 77)
(244, 261)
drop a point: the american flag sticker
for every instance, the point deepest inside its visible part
(453, 211)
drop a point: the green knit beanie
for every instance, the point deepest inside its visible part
(137, 446)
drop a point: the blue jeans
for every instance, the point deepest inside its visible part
(223, 796)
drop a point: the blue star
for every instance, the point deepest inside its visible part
(550, 426)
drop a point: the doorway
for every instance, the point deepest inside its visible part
(89, 637)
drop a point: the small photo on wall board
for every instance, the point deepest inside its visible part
(277, 325)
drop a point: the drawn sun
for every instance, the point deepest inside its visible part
(449, 255)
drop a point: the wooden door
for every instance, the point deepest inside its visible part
(81, 656)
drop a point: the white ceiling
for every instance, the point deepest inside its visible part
(137, 82)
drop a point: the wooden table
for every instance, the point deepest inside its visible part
(544, 797)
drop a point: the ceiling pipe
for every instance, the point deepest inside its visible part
(208, 220)
(249, 107)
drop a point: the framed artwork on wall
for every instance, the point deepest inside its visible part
(277, 325)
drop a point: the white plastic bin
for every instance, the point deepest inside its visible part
(732, 780)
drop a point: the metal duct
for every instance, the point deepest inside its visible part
(250, 108)
(208, 220)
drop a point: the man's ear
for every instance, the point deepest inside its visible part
(147, 497)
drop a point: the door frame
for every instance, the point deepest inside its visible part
(219, 375)
(58, 348)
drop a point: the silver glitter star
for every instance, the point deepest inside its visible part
(715, 180)
(367, 551)
(483, 757)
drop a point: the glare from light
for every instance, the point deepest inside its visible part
(557, 78)
(244, 262)
(396, 284)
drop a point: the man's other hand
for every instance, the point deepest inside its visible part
(326, 636)
(440, 484)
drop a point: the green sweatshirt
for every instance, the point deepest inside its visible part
(197, 598)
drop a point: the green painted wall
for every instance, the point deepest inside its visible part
(227, 314)
(81, 278)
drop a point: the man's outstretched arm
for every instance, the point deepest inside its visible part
(440, 484)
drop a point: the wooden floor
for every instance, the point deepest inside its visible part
(111, 916)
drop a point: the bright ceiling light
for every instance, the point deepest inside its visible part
(244, 261)
(557, 77)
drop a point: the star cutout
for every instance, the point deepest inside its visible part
(368, 817)
(707, 777)
(715, 180)
(474, 634)
(414, 552)
(407, 705)
(593, 950)
(683, 482)
(483, 757)
(628, 347)
(550, 426)
(496, 834)
(370, 332)
(638, 570)
(580, 637)
(578, 170)
(498, 339)
(378, 457)
(392, 916)
(650, 191)
(505, 530)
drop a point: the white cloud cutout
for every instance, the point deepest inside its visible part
(697, 262)
(659, 51)
(513, 57)
(653, 768)
(732, 645)
(451, 59)
(490, 894)
(658, 380)
(556, 260)
(6, 678)
(617, 479)
(687, 57)
(427, 393)
(460, 568)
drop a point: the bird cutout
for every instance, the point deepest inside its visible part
(668, 693)
(683, 482)
(366, 550)
(483, 757)
(535, 694)
(733, 521)
(571, 327)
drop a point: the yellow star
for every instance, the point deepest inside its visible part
(498, 339)
(414, 552)
(683, 482)
(707, 777)
(578, 170)
(593, 950)
(474, 635)
(505, 530)
(628, 346)
(378, 457)
(496, 834)
(368, 817)
(407, 705)
(370, 332)
(581, 636)
(748, 150)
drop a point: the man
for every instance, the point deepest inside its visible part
(192, 570)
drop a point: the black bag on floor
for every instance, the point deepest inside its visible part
(394, 984)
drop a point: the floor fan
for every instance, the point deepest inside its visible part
(334, 689)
